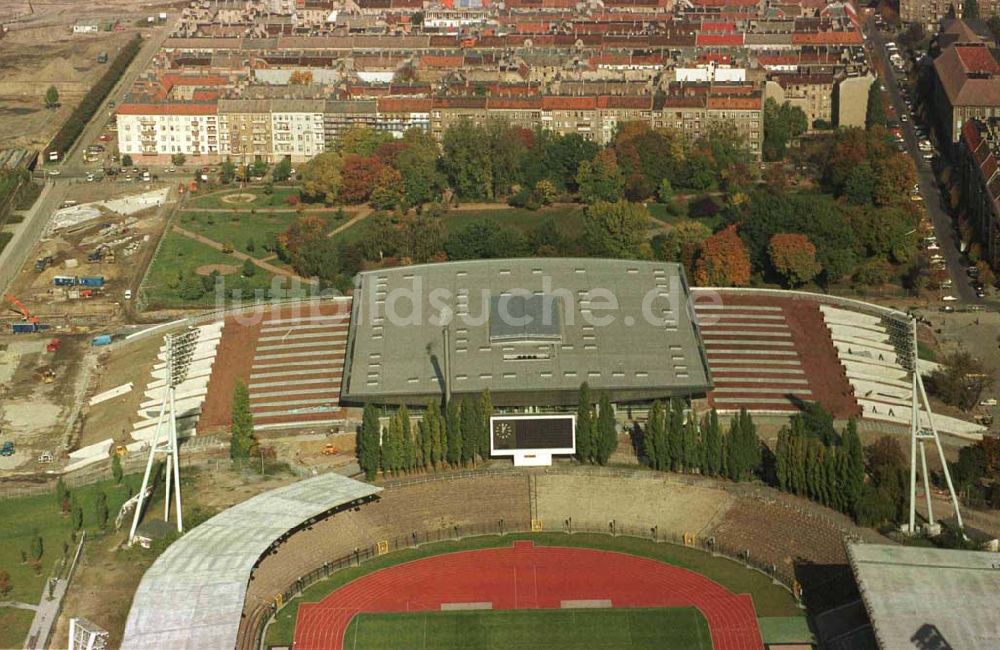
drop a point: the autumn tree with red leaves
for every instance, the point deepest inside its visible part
(303, 230)
(358, 177)
(793, 256)
(723, 260)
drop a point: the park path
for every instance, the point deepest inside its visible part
(363, 214)
(270, 268)
(17, 605)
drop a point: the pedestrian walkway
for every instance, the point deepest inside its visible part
(270, 268)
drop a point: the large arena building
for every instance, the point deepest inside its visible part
(529, 330)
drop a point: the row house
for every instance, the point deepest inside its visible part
(979, 180)
(168, 129)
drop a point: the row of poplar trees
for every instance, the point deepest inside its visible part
(673, 444)
(458, 437)
(596, 432)
(821, 467)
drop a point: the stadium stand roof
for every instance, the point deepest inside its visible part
(192, 596)
(928, 597)
(558, 331)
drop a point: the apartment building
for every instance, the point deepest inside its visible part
(979, 180)
(164, 130)
(931, 13)
(966, 86)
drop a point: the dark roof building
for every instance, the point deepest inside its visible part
(529, 330)
(967, 85)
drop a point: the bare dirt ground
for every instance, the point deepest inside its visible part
(33, 414)
(70, 248)
(223, 269)
(655, 501)
(40, 50)
(112, 419)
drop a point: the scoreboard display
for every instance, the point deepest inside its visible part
(532, 436)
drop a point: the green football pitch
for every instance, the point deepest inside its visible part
(536, 629)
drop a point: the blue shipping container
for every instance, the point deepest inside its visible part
(92, 281)
(64, 280)
(23, 328)
(103, 339)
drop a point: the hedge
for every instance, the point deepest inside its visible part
(71, 130)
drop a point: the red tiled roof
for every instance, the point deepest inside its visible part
(554, 103)
(977, 59)
(735, 103)
(403, 105)
(852, 37)
(186, 108)
(514, 103)
(442, 61)
(733, 40)
(625, 101)
(971, 135)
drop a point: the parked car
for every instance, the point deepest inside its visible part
(949, 298)
(7, 449)
(128, 294)
(947, 309)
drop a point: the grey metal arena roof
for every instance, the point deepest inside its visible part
(928, 597)
(192, 596)
(530, 330)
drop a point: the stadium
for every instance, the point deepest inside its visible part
(562, 556)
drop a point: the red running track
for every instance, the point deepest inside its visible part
(525, 576)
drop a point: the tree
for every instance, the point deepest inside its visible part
(681, 243)
(300, 78)
(485, 239)
(713, 445)
(466, 160)
(37, 547)
(369, 442)
(5, 586)
(116, 468)
(411, 451)
(418, 167)
(960, 380)
(606, 437)
(249, 268)
(723, 261)
(585, 444)
(875, 114)
(601, 179)
(126, 160)
(51, 97)
(227, 172)
(654, 438)
(453, 431)
(793, 256)
(76, 514)
(101, 508)
(362, 141)
(485, 411)
(615, 230)
(675, 435)
(321, 177)
(387, 193)
(471, 422)
(970, 10)
(782, 122)
(282, 171)
(294, 241)
(392, 446)
(242, 440)
(743, 448)
(358, 176)
(62, 493)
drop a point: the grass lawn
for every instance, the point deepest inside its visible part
(238, 228)
(785, 629)
(279, 199)
(25, 517)
(553, 629)
(769, 599)
(181, 255)
(14, 626)
(566, 217)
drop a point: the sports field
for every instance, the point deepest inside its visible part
(546, 629)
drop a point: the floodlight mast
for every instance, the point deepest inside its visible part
(179, 352)
(919, 435)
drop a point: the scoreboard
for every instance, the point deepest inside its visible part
(532, 439)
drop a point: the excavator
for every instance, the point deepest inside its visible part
(19, 307)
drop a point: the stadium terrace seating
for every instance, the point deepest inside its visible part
(297, 367)
(771, 354)
(882, 386)
(189, 396)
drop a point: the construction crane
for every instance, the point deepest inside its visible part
(19, 307)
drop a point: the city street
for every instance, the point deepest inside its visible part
(947, 236)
